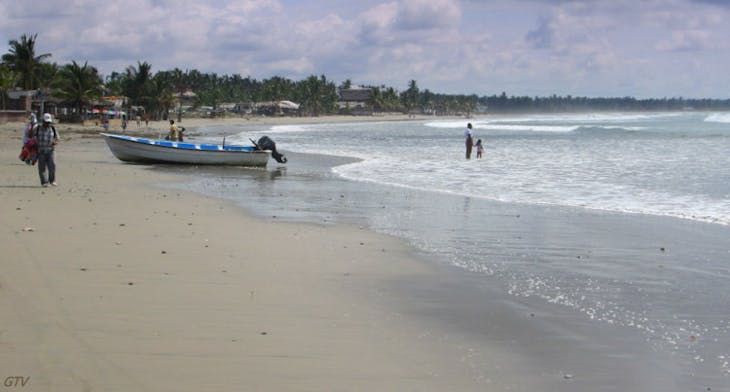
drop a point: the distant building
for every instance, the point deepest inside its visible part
(356, 94)
(274, 108)
(187, 95)
(184, 101)
(185, 98)
(355, 100)
(17, 105)
(244, 107)
(20, 103)
(109, 108)
(227, 107)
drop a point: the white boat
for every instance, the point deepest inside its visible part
(136, 149)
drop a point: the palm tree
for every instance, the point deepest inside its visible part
(311, 90)
(46, 74)
(409, 98)
(276, 89)
(23, 60)
(376, 99)
(161, 96)
(78, 85)
(8, 79)
(113, 85)
(317, 95)
(137, 83)
(346, 85)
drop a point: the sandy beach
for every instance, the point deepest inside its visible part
(127, 277)
(110, 283)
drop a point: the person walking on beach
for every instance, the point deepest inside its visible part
(46, 139)
(28, 151)
(480, 148)
(469, 140)
(32, 122)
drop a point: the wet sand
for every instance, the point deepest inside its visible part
(110, 283)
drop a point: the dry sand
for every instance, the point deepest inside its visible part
(109, 283)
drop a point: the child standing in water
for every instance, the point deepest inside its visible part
(480, 148)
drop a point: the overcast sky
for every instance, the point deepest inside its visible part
(641, 48)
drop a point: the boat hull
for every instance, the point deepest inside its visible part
(140, 150)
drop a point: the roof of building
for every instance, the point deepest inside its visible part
(357, 94)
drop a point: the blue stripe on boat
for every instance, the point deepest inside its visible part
(184, 146)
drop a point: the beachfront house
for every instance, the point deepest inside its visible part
(184, 101)
(19, 103)
(16, 105)
(355, 100)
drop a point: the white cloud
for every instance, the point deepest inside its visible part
(528, 47)
(428, 14)
(688, 40)
(376, 24)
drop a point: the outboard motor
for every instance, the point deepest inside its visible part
(265, 143)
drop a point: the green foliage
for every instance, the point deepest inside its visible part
(136, 84)
(346, 84)
(8, 79)
(409, 98)
(114, 84)
(21, 58)
(316, 95)
(385, 99)
(161, 95)
(79, 85)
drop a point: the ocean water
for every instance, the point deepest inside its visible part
(620, 218)
(669, 164)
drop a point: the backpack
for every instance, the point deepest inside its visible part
(35, 130)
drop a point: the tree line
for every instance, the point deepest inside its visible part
(80, 85)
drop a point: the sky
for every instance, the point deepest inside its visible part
(593, 48)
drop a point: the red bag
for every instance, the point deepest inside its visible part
(29, 153)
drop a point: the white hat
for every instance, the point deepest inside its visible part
(47, 118)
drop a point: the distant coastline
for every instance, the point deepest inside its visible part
(154, 128)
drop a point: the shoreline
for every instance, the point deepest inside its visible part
(136, 280)
(162, 126)
(521, 245)
(112, 283)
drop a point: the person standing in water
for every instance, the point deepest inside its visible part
(174, 132)
(480, 148)
(469, 140)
